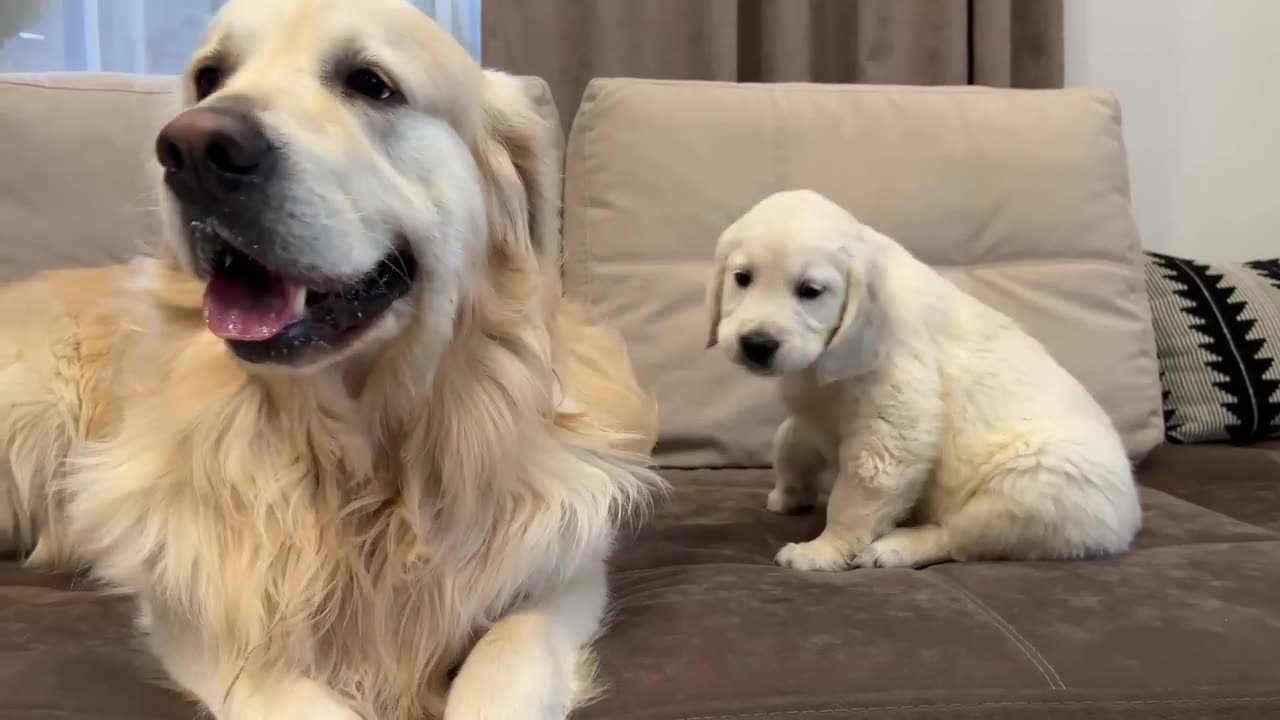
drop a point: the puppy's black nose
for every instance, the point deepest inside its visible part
(213, 151)
(758, 348)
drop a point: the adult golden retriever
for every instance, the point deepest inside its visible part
(342, 437)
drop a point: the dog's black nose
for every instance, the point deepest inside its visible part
(758, 348)
(213, 151)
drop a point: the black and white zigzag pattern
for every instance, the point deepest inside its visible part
(1217, 332)
(1269, 268)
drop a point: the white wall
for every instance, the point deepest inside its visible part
(1199, 87)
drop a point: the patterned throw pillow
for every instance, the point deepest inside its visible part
(1217, 328)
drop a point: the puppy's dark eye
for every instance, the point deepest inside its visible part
(207, 80)
(742, 277)
(808, 291)
(369, 84)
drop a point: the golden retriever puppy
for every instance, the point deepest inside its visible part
(921, 402)
(342, 438)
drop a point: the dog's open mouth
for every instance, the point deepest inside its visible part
(267, 316)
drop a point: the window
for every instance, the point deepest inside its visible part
(144, 36)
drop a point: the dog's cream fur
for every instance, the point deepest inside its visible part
(331, 542)
(923, 403)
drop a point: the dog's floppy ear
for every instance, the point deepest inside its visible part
(516, 153)
(861, 342)
(715, 290)
(725, 245)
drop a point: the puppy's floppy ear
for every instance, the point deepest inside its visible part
(861, 342)
(516, 153)
(715, 291)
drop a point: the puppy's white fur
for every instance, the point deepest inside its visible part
(330, 542)
(921, 403)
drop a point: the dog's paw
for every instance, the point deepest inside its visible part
(815, 555)
(515, 687)
(912, 547)
(504, 704)
(787, 503)
(884, 556)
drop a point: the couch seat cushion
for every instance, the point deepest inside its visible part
(69, 653)
(707, 628)
(1195, 473)
(1186, 625)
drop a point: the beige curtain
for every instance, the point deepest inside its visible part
(1007, 43)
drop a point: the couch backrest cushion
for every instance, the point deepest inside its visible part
(78, 178)
(79, 181)
(1020, 196)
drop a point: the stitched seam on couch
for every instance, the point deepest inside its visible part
(992, 704)
(1038, 660)
(78, 89)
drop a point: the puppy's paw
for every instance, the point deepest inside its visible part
(785, 502)
(911, 547)
(883, 556)
(815, 555)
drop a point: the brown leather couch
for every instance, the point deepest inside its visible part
(1021, 196)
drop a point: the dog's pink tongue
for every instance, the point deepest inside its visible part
(236, 309)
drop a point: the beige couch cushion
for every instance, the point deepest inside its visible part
(1021, 196)
(78, 177)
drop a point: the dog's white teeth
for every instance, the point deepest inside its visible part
(300, 302)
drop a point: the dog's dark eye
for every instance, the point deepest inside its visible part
(742, 277)
(369, 84)
(207, 81)
(808, 291)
